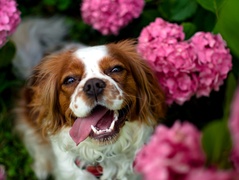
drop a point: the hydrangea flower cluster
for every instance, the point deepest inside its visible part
(109, 16)
(170, 152)
(213, 61)
(9, 19)
(234, 126)
(184, 68)
(175, 154)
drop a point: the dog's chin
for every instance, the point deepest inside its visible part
(107, 129)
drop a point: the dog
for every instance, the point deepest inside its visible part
(89, 108)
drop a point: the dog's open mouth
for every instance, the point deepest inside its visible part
(102, 125)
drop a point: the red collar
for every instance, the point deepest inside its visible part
(96, 169)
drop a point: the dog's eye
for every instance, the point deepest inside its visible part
(117, 69)
(69, 80)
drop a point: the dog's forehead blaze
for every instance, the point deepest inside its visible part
(91, 57)
(96, 59)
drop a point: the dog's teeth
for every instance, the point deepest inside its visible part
(116, 115)
(100, 131)
(112, 126)
(94, 129)
(108, 130)
(105, 130)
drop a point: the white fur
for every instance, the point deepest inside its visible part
(64, 166)
(116, 159)
(91, 56)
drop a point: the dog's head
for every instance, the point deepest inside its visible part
(94, 90)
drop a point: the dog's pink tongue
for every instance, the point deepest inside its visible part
(82, 126)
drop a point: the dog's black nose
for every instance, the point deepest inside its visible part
(94, 87)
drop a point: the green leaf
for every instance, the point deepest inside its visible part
(49, 2)
(189, 29)
(228, 25)
(216, 143)
(212, 5)
(63, 5)
(216, 138)
(175, 10)
(7, 53)
(230, 90)
(149, 15)
(183, 9)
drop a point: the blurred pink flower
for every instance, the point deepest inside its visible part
(171, 153)
(214, 61)
(234, 128)
(2, 172)
(210, 174)
(184, 68)
(9, 19)
(109, 16)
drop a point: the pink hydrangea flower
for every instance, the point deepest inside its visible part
(210, 174)
(184, 68)
(9, 19)
(160, 31)
(173, 60)
(109, 16)
(171, 152)
(234, 128)
(157, 39)
(179, 88)
(213, 63)
(176, 77)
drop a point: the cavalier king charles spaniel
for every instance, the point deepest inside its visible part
(89, 107)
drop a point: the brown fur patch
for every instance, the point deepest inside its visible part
(49, 103)
(139, 84)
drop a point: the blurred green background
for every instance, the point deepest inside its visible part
(217, 16)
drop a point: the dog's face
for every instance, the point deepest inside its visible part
(94, 91)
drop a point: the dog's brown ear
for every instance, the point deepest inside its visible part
(150, 97)
(43, 87)
(151, 106)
